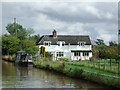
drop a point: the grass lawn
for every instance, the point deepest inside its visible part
(86, 65)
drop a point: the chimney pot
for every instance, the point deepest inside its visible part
(54, 33)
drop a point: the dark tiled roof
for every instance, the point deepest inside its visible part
(72, 39)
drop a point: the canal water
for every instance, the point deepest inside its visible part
(29, 77)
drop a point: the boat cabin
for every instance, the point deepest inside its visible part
(23, 58)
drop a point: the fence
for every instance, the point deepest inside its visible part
(109, 65)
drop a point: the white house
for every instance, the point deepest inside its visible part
(74, 47)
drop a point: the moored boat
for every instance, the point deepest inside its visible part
(23, 59)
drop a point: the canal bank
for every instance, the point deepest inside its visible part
(67, 70)
(29, 77)
(63, 68)
(9, 58)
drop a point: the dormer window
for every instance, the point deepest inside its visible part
(47, 43)
(81, 43)
(60, 43)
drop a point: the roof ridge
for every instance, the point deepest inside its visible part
(42, 38)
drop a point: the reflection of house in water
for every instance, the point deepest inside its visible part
(24, 72)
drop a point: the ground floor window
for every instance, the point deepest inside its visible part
(60, 54)
(85, 53)
(76, 53)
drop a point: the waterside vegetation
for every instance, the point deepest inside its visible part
(83, 72)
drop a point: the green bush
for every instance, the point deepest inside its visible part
(13, 57)
(76, 72)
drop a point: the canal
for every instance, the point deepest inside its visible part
(29, 77)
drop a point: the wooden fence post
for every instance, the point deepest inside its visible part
(110, 64)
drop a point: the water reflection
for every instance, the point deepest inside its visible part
(29, 77)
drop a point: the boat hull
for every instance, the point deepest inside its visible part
(25, 64)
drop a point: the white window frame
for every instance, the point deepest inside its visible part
(47, 43)
(81, 43)
(85, 53)
(61, 43)
(60, 54)
(77, 53)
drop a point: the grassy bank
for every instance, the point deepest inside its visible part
(101, 77)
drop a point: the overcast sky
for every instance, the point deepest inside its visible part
(96, 19)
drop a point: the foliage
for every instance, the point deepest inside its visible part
(100, 42)
(19, 40)
(29, 47)
(93, 59)
(48, 54)
(29, 31)
(111, 43)
(66, 59)
(95, 51)
(81, 72)
(13, 57)
(9, 44)
(108, 52)
(42, 52)
(35, 37)
(105, 52)
(77, 72)
(17, 30)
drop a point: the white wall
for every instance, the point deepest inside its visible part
(66, 47)
(67, 51)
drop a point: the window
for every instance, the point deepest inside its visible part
(76, 53)
(60, 43)
(81, 43)
(47, 43)
(85, 53)
(60, 54)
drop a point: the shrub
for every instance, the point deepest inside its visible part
(93, 60)
(80, 59)
(76, 72)
(13, 57)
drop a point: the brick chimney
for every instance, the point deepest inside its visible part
(54, 33)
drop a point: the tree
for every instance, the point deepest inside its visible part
(9, 44)
(29, 46)
(100, 42)
(17, 40)
(112, 52)
(30, 31)
(35, 37)
(111, 43)
(17, 30)
(102, 53)
(95, 51)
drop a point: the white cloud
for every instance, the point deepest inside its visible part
(67, 18)
(46, 24)
(77, 28)
(60, 1)
(93, 10)
(109, 15)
